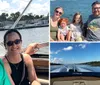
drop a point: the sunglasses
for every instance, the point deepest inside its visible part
(96, 8)
(58, 12)
(10, 43)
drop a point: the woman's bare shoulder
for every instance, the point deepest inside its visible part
(27, 58)
(6, 65)
(4, 60)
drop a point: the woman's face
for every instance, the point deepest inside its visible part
(13, 43)
(77, 19)
(58, 12)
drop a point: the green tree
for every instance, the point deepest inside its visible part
(41, 16)
(3, 17)
(14, 16)
(37, 17)
(30, 16)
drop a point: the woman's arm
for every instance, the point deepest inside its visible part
(51, 39)
(32, 74)
(31, 70)
(8, 70)
(69, 35)
(58, 36)
(11, 80)
(31, 49)
(34, 47)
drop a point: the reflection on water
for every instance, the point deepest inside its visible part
(38, 35)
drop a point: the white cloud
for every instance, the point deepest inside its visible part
(19, 5)
(82, 46)
(40, 0)
(56, 52)
(4, 5)
(51, 52)
(68, 48)
(14, 1)
(56, 60)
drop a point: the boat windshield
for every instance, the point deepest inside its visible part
(74, 58)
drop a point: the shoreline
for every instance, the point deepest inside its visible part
(27, 27)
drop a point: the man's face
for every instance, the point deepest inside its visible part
(96, 10)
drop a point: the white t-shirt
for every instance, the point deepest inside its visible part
(64, 31)
(76, 30)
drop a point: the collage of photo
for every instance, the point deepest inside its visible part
(74, 42)
(50, 42)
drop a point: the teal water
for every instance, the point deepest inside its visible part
(73, 6)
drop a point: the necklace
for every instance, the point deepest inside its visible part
(16, 65)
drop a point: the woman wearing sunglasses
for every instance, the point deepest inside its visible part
(19, 66)
(54, 23)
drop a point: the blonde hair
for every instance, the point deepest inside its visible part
(59, 8)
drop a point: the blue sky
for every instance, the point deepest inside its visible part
(74, 52)
(40, 7)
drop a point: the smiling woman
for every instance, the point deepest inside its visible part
(54, 23)
(19, 66)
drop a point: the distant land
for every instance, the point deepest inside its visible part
(24, 25)
(26, 22)
(92, 63)
(56, 64)
(29, 27)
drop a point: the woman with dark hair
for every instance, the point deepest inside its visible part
(19, 66)
(76, 27)
(54, 23)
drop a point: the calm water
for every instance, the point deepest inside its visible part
(39, 35)
(73, 6)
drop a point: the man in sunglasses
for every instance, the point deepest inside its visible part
(92, 26)
(19, 66)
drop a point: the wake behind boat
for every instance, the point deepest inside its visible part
(73, 68)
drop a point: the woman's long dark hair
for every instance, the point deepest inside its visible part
(81, 21)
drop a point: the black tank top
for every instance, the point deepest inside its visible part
(17, 70)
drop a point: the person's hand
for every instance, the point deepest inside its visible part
(35, 83)
(32, 48)
(51, 39)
